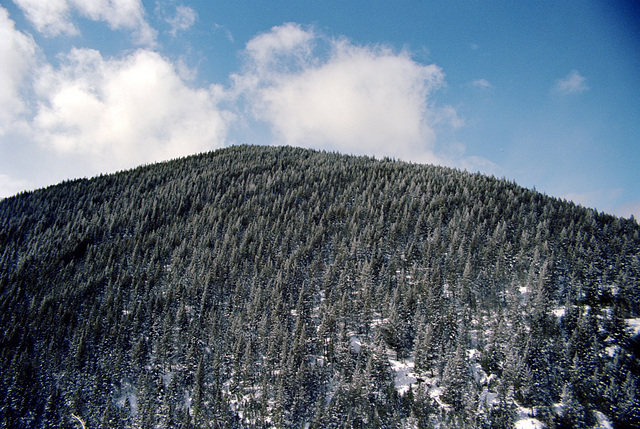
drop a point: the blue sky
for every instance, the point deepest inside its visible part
(546, 93)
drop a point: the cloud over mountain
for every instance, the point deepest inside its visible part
(128, 111)
(315, 91)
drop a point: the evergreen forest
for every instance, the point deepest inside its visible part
(278, 287)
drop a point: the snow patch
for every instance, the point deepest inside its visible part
(355, 343)
(127, 391)
(634, 326)
(478, 374)
(435, 392)
(603, 421)
(611, 350)
(487, 399)
(476, 370)
(559, 312)
(404, 375)
(187, 401)
(529, 423)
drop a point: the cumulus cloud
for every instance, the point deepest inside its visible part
(102, 114)
(48, 17)
(184, 18)
(332, 94)
(573, 83)
(124, 112)
(53, 17)
(284, 47)
(17, 56)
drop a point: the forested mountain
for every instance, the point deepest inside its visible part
(281, 287)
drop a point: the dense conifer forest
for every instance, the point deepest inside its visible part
(262, 287)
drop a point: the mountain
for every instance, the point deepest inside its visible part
(282, 287)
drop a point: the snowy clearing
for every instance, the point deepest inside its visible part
(529, 424)
(404, 375)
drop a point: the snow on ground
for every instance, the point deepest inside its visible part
(477, 372)
(559, 311)
(404, 375)
(634, 326)
(611, 350)
(127, 391)
(355, 343)
(526, 420)
(529, 423)
(603, 421)
(487, 399)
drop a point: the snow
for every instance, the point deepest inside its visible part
(526, 422)
(559, 311)
(377, 321)
(529, 423)
(478, 374)
(487, 399)
(603, 421)
(355, 343)
(472, 354)
(634, 326)
(127, 391)
(435, 392)
(611, 350)
(187, 401)
(404, 375)
(558, 408)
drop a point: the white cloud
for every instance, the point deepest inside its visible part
(481, 83)
(100, 114)
(17, 56)
(183, 20)
(52, 17)
(123, 112)
(573, 83)
(335, 95)
(49, 17)
(287, 44)
(10, 186)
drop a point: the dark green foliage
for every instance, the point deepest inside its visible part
(270, 287)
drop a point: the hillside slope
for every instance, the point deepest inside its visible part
(278, 287)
